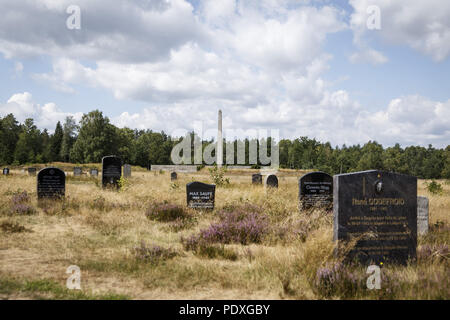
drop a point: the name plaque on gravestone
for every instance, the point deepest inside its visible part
(272, 181)
(5, 171)
(377, 210)
(315, 191)
(51, 183)
(200, 195)
(256, 178)
(126, 170)
(32, 171)
(422, 215)
(173, 176)
(111, 171)
(77, 171)
(93, 172)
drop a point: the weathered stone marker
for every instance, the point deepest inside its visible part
(379, 211)
(422, 215)
(126, 171)
(32, 171)
(271, 181)
(173, 176)
(315, 191)
(256, 178)
(77, 171)
(200, 195)
(5, 171)
(111, 171)
(93, 172)
(51, 183)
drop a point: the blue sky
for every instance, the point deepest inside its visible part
(301, 67)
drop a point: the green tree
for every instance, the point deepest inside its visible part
(69, 138)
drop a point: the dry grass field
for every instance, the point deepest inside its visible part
(126, 253)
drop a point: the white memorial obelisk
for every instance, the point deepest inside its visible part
(219, 159)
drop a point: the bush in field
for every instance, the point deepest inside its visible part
(20, 203)
(152, 254)
(237, 226)
(433, 252)
(434, 187)
(165, 212)
(217, 176)
(337, 279)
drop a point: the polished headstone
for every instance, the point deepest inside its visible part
(272, 181)
(200, 195)
(257, 178)
(5, 171)
(377, 210)
(93, 172)
(316, 191)
(51, 183)
(173, 176)
(111, 171)
(77, 171)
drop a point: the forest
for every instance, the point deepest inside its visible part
(95, 136)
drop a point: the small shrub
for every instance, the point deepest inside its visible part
(152, 254)
(12, 227)
(165, 212)
(433, 252)
(217, 176)
(203, 248)
(337, 279)
(123, 184)
(20, 204)
(434, 188)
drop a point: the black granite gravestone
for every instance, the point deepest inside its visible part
(32, 171)
(111, 171)
(51, 183)
(272, 181)
(316, 191)
(200, 195)
(256, 178)
(5, 171)
(377, 210)
(173, 176)
(77, 171)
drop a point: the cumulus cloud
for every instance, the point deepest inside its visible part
(44, 116)
(422, 25)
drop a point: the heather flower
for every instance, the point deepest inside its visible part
(152, 254)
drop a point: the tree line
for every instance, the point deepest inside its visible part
(94, 137)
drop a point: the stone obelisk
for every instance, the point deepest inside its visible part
(219, 158)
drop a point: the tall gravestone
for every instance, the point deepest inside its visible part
(5, 171)
(93, 172)
(126, 170)
(32, 171)
(77, 171)
(377, 210)
(200, 195)
(316, 191)
(256, 178)
(111, 171)
(173, 176)
(422, 215)
(271, 181)
(51, 183)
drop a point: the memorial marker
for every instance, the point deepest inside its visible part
(379, 211)
(111, 171)
(77, 171)
(422, 215)
(5, 171)
(256, 178)
(271, 181)
(126, 171)
(51, 183)
(93, 172)
(315, 191)
(32, 171)
(200, 195)
(173, 176)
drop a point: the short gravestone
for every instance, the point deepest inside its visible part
(126, 171)
(77, 171)
(93, 172)
(173, 176)
(378, 211)
(271, 181)
(111, 171)
(51, 183)
(256, 178)
(200, 195)
(316, 191)
(32, 171)
(5, 171)
(422, 215)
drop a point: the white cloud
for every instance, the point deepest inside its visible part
(422, 25)
(44, 116)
